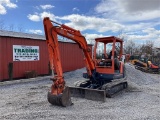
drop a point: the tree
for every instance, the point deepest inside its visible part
(2, 25)
(11, 27)
(130, 47)
(147, 47)
(20, 28)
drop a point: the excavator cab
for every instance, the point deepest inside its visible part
(110, 66)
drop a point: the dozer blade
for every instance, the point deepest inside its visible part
(90, 94)
(63, 99)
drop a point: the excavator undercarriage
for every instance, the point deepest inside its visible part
(98, 91)
(106, 90)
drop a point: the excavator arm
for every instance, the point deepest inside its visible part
(59, 92)
(52, 33)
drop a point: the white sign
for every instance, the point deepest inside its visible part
(25, 53)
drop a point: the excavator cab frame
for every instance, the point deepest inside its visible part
(112, 66)
(107, 68)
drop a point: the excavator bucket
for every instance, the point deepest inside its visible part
(90, 94)
(63, 99)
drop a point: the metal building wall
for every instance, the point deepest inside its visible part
(71, 57)
(19, 67)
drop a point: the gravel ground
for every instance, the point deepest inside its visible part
(27, 101)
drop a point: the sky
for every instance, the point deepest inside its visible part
(136, 20)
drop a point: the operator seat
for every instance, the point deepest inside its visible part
(110, 55)
(116, 60)
(116, 64)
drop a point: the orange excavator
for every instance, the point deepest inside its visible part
(105, 75)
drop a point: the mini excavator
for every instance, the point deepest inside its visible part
(146, 66)
(105, 75)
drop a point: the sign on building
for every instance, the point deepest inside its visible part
(25, 53)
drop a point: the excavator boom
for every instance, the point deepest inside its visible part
(52, 33)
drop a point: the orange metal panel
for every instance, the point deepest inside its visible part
(108, 70)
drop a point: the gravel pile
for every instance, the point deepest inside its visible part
(27, 101)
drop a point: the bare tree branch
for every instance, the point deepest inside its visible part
(2, 25)
(11, 27)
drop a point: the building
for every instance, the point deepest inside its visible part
(155, 51)
(22, 52)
